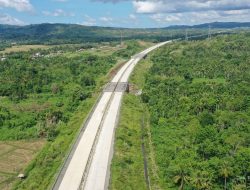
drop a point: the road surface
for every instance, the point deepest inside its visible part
(88, 164)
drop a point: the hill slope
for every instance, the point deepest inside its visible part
(198, 97)
(197, 94)
(72, 33)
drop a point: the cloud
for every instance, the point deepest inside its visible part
(106, 19)
(132, 17)
(236, 12)
(60, 0)
(180, 6)
(58, 13)
(163, 19)
(7, 19)
(88, 21)
(19, 5)
(193, 11)
(110, 1)
(151, 7)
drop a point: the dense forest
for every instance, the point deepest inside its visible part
(52, 87)
(39, 91)
(45, 94)
(198, 94)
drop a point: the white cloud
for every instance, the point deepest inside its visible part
(58, 13)
(172, 18)
(132, 17)
(208, 15)
(150, 6)
(237, 12)
(164, 19)
(193, 11)
(106, 19)
(60, 0)
(19, 5)
(7, 19)
(89, 21)
(180, 6)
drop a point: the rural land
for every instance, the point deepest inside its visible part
(120, 108)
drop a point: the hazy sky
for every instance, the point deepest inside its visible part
(123, 13)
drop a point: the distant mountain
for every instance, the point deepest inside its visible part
(54, 32)
(73, 33)
(219, 25)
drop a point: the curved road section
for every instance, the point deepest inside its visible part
(88, 165)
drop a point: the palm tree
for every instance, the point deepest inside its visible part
(197, 180)
(181, 178)
(201, 180)
(225, 172)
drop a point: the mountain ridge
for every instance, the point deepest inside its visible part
(203, 25)
(72, 33)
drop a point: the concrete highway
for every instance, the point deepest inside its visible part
(88, 164)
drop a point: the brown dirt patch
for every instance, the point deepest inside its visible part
(14, 158)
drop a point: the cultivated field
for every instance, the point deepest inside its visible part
(20, 48)
(14, 157)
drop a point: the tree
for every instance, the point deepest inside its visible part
(87, 80)
(181, 178)
(225, 172)
(201, 180)
(206, 118)
(234, 141)
(188, 77)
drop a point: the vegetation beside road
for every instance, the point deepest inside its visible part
(49, 97)
(39, 92)
(198, 94)
(127, 170)
(196, 98)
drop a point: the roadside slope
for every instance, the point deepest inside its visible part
(128, 170)
(197, 95)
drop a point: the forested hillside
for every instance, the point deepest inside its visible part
(74, 34)
(45, 95)
(198, 94)
(38, 93)
(39, 90)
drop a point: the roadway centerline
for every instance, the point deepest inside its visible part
(75, 170)
(97, 176)
(88, 164)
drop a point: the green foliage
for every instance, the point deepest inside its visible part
(127, 165)
(41, 171)
(132, 48)
(198, 96)
(39, 92)
(58, 93)
(74, 34)
(127, 170)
